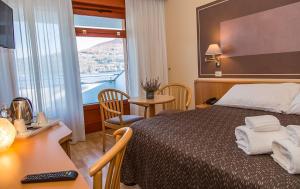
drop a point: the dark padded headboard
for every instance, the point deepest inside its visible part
(259, 38)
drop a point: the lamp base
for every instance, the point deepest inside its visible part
(218, 73)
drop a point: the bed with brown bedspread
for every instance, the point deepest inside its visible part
(197, 149)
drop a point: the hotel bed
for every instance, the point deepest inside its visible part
(197, 150)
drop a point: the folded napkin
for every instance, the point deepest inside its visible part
(263, 123)
(294, 134)
(287, 155)
(253, 143)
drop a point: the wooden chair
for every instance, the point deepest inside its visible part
(112, 111)
(115, 158)
(182, 94)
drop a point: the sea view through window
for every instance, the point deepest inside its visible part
(102, 66)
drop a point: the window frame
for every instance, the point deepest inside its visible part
(93, 32)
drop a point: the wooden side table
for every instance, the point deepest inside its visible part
(158, 99)
(203, 106)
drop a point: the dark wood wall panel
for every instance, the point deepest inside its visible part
(108, 3)
(92, 117)
(272, 65)
(102, 8)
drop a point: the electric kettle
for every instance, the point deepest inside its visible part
(21, 108)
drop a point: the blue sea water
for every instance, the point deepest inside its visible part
(90, 96)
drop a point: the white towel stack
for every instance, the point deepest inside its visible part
(257, 135)
(265, 123)
(254, 143)
(286, 152)
(294, 134)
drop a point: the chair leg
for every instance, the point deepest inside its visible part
(103, 140)
(103, 137)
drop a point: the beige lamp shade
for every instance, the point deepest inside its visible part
(7, 134)
(213, 49)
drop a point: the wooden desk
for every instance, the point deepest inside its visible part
(158, 99)
(40, 153)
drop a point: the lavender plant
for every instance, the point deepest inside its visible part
(151, 85)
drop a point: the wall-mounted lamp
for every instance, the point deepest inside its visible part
(213, 54)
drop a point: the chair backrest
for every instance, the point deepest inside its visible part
(112, 99)
(182, 94)
(115, 158)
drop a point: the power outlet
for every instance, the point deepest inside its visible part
(218, 73)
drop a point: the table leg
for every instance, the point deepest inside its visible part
(151, 110)
(66, 146)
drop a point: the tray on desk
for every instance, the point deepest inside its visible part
(35, 129)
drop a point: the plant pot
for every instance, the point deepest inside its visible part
(150, 94)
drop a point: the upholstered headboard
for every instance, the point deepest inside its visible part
(206, 88)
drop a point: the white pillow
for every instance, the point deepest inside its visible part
(267, 97)
(295, 106)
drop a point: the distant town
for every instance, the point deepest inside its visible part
(102, 58)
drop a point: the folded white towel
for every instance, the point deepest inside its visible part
(263, 123)
(253, 143)
(294, 134)
(287, 155)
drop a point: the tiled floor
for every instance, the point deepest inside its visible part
(85, 154)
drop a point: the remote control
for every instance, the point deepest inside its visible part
(50, 177)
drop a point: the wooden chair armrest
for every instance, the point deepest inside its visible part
(106, 158)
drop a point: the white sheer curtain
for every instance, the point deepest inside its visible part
(7, 76)
(46, 60)
(146, 43)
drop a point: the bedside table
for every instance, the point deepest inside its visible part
(203, 106)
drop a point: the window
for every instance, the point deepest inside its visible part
(100, 44)
(102, 66)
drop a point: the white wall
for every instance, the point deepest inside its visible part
(181, 27)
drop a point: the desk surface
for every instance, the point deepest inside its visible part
(40, 153)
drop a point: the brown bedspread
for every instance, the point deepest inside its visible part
(197, 149)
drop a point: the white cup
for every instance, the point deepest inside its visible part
(41, 119)
(20, 125)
